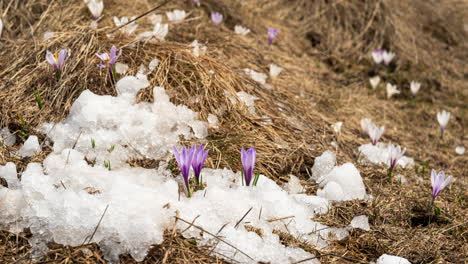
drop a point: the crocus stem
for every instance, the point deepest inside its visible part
(441, 133)
(58, 75)
(111, 75)
(389, 173)
(256, 179)
(189, 192)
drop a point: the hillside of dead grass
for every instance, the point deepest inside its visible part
(324, 48)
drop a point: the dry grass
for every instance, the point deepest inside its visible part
(324, 48)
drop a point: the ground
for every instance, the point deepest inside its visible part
(324, 48)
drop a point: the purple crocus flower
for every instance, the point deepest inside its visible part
(108, 61)
(199, 157)
(216, 18)
(57, 60)
(184, 159)
(272, 33)
(438, 182)
(248, 163)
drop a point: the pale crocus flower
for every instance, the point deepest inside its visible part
(337, 127)
(443, 118)
(95, 7)
(57, 60)
(365, 124)
(377, 56)
(439, 182)
(375, 133)
(216, 18)
(374, 81)
(414, 87)
(391, 90)
(394, 154)
(275, 70)
(240, 30)
(387, 57)
(272, 34)
(128, 29)
(176, 15)
(196, 2)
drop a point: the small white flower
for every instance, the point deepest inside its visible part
(155, 19)
(391, 90)
(388, 57)
(337, 127)
(240, 30)
(375, 133)
(443, 118)
(121, 68)
(377, 56)
(414, 87)
(256, 76)
(176, 15)
(275, 70)
(460, 150)
(128, 29)
(95, 7)
(198, 49)
(374, 81)
(365, 123)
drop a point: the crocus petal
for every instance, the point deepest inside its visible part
(62, 57)
(51, 59)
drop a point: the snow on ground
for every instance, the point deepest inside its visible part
(388, 259)
(379, 153)
(340, 183)
(63, 199)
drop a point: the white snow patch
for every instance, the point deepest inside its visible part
(361, 222)
(248, 100)
(389, 259)
(256, 76)
(121, 68)
(378, 154)
(6, 137)
(342, 183)
(293, 186)
(8, 172)
(323, 165)
(30, 148)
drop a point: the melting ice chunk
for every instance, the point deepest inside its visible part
(389, 259)
(361, 222)
(323, 165)
(30, 148)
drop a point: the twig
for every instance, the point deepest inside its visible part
(96, 228)
(191, 224)
(215, 236)
(238, 222)
(140, 16)
(279, 219)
